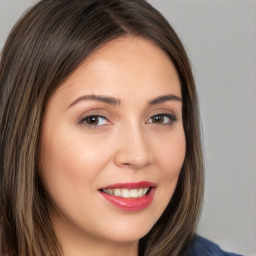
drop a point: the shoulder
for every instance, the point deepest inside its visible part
(204, 247)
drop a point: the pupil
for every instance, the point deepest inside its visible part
(92, 120)
(158, 119)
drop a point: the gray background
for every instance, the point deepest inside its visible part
(220, 38)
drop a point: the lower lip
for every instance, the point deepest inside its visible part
(130, 204)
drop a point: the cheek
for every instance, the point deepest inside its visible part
(171, 156)
(68, 164)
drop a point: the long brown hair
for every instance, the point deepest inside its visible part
(47, 44)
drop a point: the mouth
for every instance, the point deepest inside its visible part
(130, 196)
(127, 193)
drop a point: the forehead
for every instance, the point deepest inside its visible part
(125, 65)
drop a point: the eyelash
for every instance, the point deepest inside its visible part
(171, 120)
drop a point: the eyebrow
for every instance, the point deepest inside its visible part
(116, 102)
(164, 98)
(101, 98)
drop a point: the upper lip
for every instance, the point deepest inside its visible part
(132, 185)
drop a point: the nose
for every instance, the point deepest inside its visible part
(133, 150)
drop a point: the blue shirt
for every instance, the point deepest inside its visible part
(204, 247)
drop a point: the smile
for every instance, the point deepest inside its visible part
(130, 196)
(127, 193)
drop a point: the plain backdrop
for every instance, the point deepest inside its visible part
(220, 39)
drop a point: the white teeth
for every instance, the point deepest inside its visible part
(117, 192)
(140, 192)
(133, 193)
(127, 193)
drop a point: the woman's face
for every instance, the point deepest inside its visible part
(113, 144)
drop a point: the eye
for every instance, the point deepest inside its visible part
(94, 120)
(165, 119)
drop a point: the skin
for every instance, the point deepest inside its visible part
(126, 145)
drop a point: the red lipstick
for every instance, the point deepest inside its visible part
(138, 201)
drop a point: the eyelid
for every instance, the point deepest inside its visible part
(162, 111)
(93, 112)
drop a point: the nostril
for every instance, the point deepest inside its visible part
(135, 165)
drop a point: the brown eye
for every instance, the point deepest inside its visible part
(165, 119)
(158, 119)
(94, 120)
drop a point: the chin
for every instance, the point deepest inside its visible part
(129, 230)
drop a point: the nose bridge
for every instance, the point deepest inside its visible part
(133, 149)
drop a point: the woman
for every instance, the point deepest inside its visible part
(100, 134)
